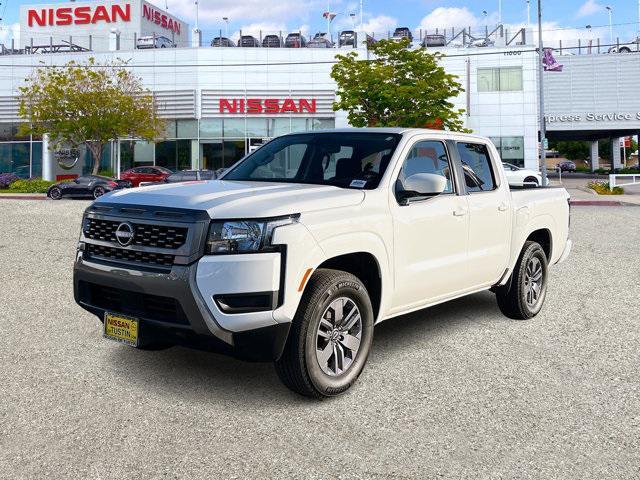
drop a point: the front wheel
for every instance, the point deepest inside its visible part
(522, 298)
(330, 336)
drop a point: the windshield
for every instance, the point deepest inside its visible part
(348, 160)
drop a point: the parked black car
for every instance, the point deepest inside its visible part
(348, 38)
(87, 186)
(295, 40)
(222, 42)
(402, 32)
(567, 166)
(248, 41)
(272, 41)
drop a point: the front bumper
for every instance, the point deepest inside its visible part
(179, 305)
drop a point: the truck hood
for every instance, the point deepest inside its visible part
(233, 199)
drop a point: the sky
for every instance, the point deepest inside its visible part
(562, 19)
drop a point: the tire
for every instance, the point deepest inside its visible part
(98, 192)
(532, 180)
(625, 50)
(319, 337)
(516, 299)
(55, 193)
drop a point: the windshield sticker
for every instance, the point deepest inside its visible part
(358, 183)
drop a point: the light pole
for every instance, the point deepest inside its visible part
(529, 13)
(226, 26)
(610, 10)
(543, 120)
(499, 12)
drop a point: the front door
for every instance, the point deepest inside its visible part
(430, 233)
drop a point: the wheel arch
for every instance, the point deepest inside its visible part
(366, 268)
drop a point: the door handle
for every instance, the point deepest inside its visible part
(503, 207)
(459, 213)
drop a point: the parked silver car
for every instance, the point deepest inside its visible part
(157, 41)
(632, 46)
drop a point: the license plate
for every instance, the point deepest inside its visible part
(121, 329)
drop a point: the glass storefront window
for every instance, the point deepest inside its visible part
(36, 159)
(174, 154)
(171, 129)
(9, 132)
(135, 153)
(278, 126)
(298, 124)
(211, 128)
(322, 123)
(256, 127)
(187, 129)
(511, 149)
(221, 154)
(234, 127)
(15, 158)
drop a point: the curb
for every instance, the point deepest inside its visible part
(23, 197)
(601, 203)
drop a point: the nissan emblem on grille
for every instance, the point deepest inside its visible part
(124, 234)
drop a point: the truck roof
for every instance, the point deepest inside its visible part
(395, 130)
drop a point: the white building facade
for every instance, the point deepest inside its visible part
(220, 102)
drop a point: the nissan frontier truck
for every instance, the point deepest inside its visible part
(302, 247)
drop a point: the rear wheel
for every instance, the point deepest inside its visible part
(330, 336)
(531, 180)
(55, 193)
(98, 192)
(522, 298)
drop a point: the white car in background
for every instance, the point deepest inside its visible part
(517, 176)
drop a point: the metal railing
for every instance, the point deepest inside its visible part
(635, 179)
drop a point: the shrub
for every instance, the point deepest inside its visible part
(107, 172)
(33, 185)
(7, 179)
(602, 188)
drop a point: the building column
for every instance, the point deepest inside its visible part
(196, 38)
(595, 162)
(47, 159)
(616, 158)
(195, 155)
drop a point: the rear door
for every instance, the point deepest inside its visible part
(490, 214)
(430, 233)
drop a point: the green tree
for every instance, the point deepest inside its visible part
(90, 104)
(572, 149)
(398, 88)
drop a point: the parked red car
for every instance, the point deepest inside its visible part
(145, 174)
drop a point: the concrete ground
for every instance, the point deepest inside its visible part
(457, 391)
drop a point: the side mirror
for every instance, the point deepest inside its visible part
(422, 185)
(425, 183)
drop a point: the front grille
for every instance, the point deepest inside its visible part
(151, 307)
(121, 254)
(158, 236)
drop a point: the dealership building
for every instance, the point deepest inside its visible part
(222, 102)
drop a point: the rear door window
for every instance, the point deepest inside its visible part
(476, 163)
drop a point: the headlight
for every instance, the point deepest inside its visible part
(244, 236)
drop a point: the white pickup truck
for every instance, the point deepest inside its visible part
(304, 245)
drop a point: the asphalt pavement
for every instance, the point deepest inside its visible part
(457, 391)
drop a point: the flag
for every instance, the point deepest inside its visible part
(329, 15)
(549, 61)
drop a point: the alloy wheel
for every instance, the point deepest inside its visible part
(338, 336)
(533, 281)
(98, 192)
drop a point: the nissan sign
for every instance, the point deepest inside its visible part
(268, 106)
(82, 15)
